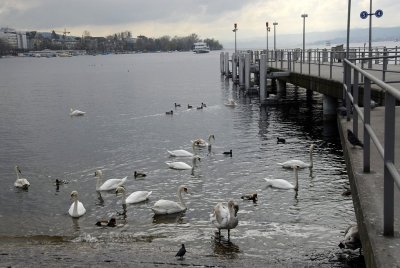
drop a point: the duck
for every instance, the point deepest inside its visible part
(133, 198)
(284, 184)
(164, 207)
(77, 209)
(351, 238)
(111, 223)
(138, 174)
(250, 196)
(170, 112)
(203, 143)
(76, 112)
(177, 105)
(300, 164)
(225, 217)
(280, 140)
(181, 153)
(190, 106)
(199, 107)
(182, 165)
(228, 153)
(108, 185)
(21, 182)
(203, 104)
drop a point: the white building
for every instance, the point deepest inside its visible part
(16, 40)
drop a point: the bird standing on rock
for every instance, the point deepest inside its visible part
(181, 252)
(353, 139)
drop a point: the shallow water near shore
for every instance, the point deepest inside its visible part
(125, 128)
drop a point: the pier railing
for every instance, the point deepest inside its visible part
(351, 87)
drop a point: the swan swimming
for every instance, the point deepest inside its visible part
(203, 143)
(230, 103)
(21, 182)
(225, 217)
(135, 197)
(76, 112)
(163, 207)
(183, 165)
(77, 209)
(110, 184)
(181, 153)
(284, 184)
(300, 164)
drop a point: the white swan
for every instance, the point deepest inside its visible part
(110, 184)
(182, 165)
(299, 163)
(162, 207)
(230, 103)
(181, 153)
(203, 143)
(284, 184)
(77, 209)
(135, 197)
(21, 182)
(351, 238)
(225, 217)
(76, 112)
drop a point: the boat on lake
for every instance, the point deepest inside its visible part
(201, 47)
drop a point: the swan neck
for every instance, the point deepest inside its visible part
(179, 194)
(296, 176)
(16, 171)
(99, 180)
(75, 211)
(311, 158)
(123, 197)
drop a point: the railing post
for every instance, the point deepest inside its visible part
(309, 62)
(281, 59)
(355, 102)
(395, 59)
(301, 62)
(319, 63)
(367, 121)
(330, 65)
(388, 184)
(384, 66)
(362, 66)
(347, 81)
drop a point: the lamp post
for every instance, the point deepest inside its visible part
(235, 30)
(275, 23)
(268, 29)
(304, 16)
(364, 14)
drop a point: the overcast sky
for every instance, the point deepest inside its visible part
(207, 18)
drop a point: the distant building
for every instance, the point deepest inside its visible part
(16, 40)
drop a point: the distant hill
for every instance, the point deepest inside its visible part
(316, 38)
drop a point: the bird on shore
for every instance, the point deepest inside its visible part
(351, 238)
(353, 139)
(228, 153)
(21, 182)
(280, 140)
(225, 217)
(170, 112)
(181, 252)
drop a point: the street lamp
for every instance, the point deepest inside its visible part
(268, 29)
(304, 16)
(364, 14)
(235, 30)
(275, 23)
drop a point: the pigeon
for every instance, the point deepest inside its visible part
(353, 139)
(181, 252)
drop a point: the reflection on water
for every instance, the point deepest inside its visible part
(169, 218)
(222, 247)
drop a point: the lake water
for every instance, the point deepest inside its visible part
(125, 128)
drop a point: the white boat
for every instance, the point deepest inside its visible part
(201, 47)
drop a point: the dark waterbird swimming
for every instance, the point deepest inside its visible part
(181, 252)
(353, 139)
(139, 174)
(228, 153)
(280, 140)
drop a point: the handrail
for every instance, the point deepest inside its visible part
(391, 175)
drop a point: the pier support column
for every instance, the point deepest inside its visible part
(329, 105)
(263, 78)
(234, 68)
(221, 62)
(241, 70)
(226, 63)
(281, 86)
(247, 71)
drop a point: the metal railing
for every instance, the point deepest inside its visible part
(352, 73)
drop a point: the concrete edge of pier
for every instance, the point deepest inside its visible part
(367, 194)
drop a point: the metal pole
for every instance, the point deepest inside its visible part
(275, 23)
(348, 29)
(304, 16)
(235, 30)
(370, 33)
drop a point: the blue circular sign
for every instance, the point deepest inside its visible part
(364, 14)
(379, 13)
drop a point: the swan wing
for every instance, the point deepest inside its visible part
(138, 196)
(22, 183)
(112, 184)
(294, 162)
(167, 207)
(182, 153)
(79, 212)
(220, 216)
